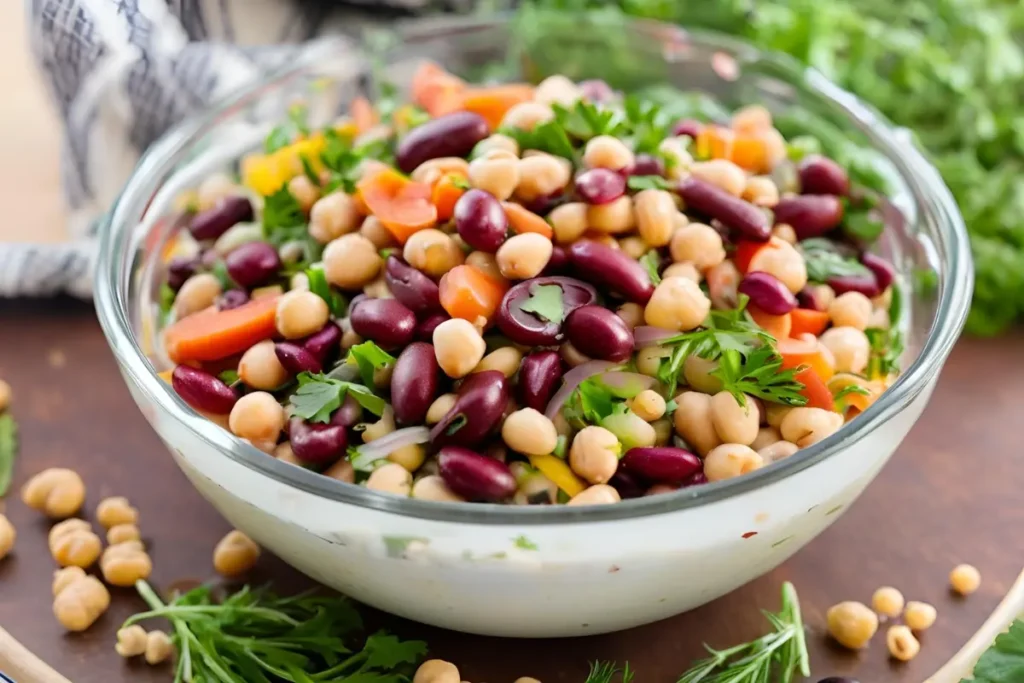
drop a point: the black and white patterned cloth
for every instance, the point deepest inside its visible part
(121, 72)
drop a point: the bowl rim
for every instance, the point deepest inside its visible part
(923, 180)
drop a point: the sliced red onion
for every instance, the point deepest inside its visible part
(378, 449)
(646, 335)
(573, 379)
(627, 384)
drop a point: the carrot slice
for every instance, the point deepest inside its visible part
(402, 205)
(778, 326)
(808, 321)
(522, 220)
(363, 115)
(445, 193)
(750, 152)
(436, 90)
(715, 142)
(469, 293)
(815, 389)
(211, 334)
(805, 350)
(492, 103)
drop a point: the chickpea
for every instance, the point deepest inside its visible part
(437, 671)
(731, 460)
(526, 679)
(73, 543)
(199, 292)
(259, 367)
(677, 304)
(458, 347)
(887, 601)
(849, 347)
(505, 360)
(698, 244)
(721, 173)
(784, 262)
(527, 115)
(299, 314)
(675, 151)
(524, 256)
(692, 421)
(601, 238)
(594, 454)
(612, 218)
(852, 624)
(632, 314)
(734, 423)
(529, 432)
(158, 647)
(807, 426)
(557, 89)
(879, 319)
(534, 489)
(120, 533)
(257, 417)
(497, 175)
(648, 359)
(697, 372)
(779, 450)
(382, 427)
(753, 118)
(487, 263)
(5, 396)
(901, 643)
(131, 641)
(633, 246)
(390, 478)
(431, 170)
(766, 436)
(79, 600)
(349, 338)
(213, 189)
(685, 270)
(7, 536)
(775, 413)
(965, 579)
(439, 408)
(572, 356)
(378, 288)
(655, 216)
(496, 143)
(541, 175)
(598, 494)
(298, 281)
(569, 221)
(342, 471)
(432, 487)
(919, 616)
(762, 191)
(235, 554)
(351, 261)
(125, 563)
(56, 492)
(373, 230)
(851, 309)
(606, 151)
(410, 457)
(305, 193)
(432, 252)
(648, 405)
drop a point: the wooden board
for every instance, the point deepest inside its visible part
(951, 494)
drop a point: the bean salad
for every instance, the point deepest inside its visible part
(550, 294)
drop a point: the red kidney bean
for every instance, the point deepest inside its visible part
(865, 284)
(808, 297)
(734, 213)
(317, 444)
(596, 90)
(626, 484)
(696, 480)
(543, 204)
(355, 301)
(179, 269)
(662, 464)
(296, 359)
(411, 287)
(385, 321)
(233, 298)
(767, 293)
(252, 264)
(821, 175)
(451, 135)
(524, 327)
(883, 271)
(810, 215)
(348, 414)
(605, 267)
(203, 391)
(425, 329)
(323, 343)
(414, 383)
(480, 220)
(600, 186)
(691, 127)
(599, 333)
(477, 412)
(474, 476)
(558, 264)
(538, 378)
(215, 221)
(647, 164)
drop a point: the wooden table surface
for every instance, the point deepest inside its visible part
(952, 493)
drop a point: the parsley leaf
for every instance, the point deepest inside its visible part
(585, 120)
(759, 373)
(342, 159)
(386, 652)
(318, 396)
(648, 182)
(318, 285)
(278, 138)
(651, 261)
(524, 543)
(283, 219)
(886, 349)
(370, 357)
(283, 135)
(229, 377)
(863, 225)
(546, 303)
(1004, 661)
(220, 271)
(461, 183)
(8, 451)
(547, 137)
(649, 125)
(824, 261)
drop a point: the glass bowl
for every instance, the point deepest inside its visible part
(541, 570)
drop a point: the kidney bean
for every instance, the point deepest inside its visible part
(348, 414)
(539, 373)
(480, 220)
(477, 412)
(810, 215)
(599, 333)
(606, 267)
(767, 293)
(317, 444)
(203, 391)
(626, 484)
(865, 284)
(323, 343)
(355, 301)
(558, 264)
(425, 329)
(733, 212)
(662, 464)
(524, 327)
(215, 221)
(252, 264)
(385, 321)
(451, 135)
(233, 298)
(696, 480)
(838, 679)
(647, 164)
(597, 91)
(600, 186)
(415, 290)
(821, 175)
(883, 271)
(296, 359)
(691, 127)
(543, 204)
(474, 476)
(414, 383)
(809, 298)
(179, 269)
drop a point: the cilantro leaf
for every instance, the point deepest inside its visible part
(387, 652)
(585, 120)
(590, 403)
(648, 182)
(651, 261)
(547, 137)
(759, 374)
(283, 219)
(824, 261)
(886, 349)
(229, 377)
(283, 135)
(524, 543)
(863, 225)
(318, 396)
(545, 302)
(1004, 661)
(318, 285)
(279, 137)
(370, 357)
(8, 451)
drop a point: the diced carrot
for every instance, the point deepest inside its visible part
(436, 90)
(211, 334)
(492, 103)
(446, 193)
(749, 152)
(559, 473)
(521, 220)
(363, 115)
(715, 142)
(815, 389)
(808, 321)
(778, 326)
(469, 293)
(402, 205)
(805, 350)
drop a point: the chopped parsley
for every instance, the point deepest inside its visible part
(648, 182)
(648, 124)
(283, 135)
(318, 396)
(547, 137)
(651, 261)
(585, 120)
(758, 373)
(546, 303)
(220, 271)
(319, 285)
(886, 349)
(840, 396)
(283, 219)
(229, 377)
(824, 261)
(369, 358)
(342, 159)
(524, 543)
(461, 183)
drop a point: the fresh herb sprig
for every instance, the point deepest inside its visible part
(609, 672)
(318, 396)
(1004, 661)
(886, 349)
(8, 450)
(369, 358)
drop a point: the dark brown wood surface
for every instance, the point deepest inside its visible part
(951, 494)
